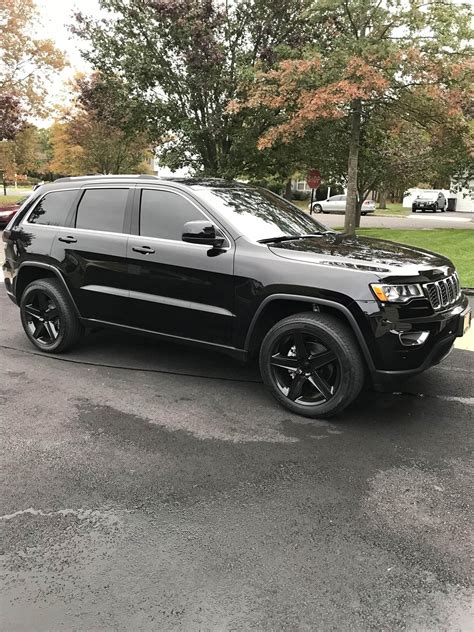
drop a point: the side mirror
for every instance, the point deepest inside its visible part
(202, 232)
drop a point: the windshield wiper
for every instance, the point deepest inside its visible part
(273, 240)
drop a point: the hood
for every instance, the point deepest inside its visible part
(366, 254)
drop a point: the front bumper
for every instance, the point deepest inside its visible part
(394, 361)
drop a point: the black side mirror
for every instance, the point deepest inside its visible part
(202, 232)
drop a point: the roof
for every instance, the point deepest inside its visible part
(207, 182)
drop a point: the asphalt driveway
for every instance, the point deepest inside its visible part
(173, 494)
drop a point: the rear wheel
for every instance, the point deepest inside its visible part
(48, 317)
(312, 364)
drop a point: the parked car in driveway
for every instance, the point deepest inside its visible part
(430, 200)
(337, 204)
(232, 268)
(8, 211)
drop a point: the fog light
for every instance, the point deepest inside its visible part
(413, 338)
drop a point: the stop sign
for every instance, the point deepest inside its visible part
(313, 178)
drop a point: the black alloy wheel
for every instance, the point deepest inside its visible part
(305, 370)
(42, 317)
(48, 316)
(312, 364)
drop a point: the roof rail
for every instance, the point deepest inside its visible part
(105, 176)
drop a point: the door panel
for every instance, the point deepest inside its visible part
(177, 288)
(95, 268)
(93, 252)
(181, 289)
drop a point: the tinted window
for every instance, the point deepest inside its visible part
(257, 213)
(102, 209)
(163, 214)
(53, 209)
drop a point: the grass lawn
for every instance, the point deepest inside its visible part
(396, 210)
(8, 199)
(457, 245)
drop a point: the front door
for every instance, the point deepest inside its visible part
(178, 288)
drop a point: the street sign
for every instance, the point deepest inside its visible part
(313, 179)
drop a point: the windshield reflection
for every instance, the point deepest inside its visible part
(258, 213)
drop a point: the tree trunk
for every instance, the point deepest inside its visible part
(352, 214)
(288, 194)
(383, 199)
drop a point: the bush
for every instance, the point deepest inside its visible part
(301, 195)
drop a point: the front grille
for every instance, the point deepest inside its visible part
(443, 293)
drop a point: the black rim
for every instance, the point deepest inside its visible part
(304, 369)
(42, 318)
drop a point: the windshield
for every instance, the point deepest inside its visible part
(428, 194)
(259, 214)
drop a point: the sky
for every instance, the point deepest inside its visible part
(55, 17)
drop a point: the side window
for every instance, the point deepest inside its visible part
(102, 209)
(163, 214)
(53, 209)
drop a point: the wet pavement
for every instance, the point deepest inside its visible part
(174, 494)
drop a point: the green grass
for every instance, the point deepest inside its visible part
(392, 210)
(9, 199)
(457, 245)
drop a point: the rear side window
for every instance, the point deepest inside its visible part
(53, 209)
(163, 214)
(102, 209)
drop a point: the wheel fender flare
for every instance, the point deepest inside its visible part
(315, 301)
(55, 271)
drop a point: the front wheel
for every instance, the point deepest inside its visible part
(318, 208)
(312, 364)
(48, 317)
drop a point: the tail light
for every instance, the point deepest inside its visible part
(6, 235)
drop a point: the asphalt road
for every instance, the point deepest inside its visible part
(149, 499)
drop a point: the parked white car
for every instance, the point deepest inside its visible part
(337, 204)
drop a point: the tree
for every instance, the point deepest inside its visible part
(177, 65)
(27, 62)
(373, 62)
(94, 135)
(11, 116)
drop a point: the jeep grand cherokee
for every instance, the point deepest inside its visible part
(235, 268)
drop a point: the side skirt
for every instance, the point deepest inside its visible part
(238, 354)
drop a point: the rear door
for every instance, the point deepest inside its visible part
(92, 252)
(178, 288)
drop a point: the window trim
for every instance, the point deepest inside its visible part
(135, 228)
(127, 211)
(67, 222)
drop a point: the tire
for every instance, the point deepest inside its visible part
(319, 346)
(363, 214)
(317, 208)
(48, 317)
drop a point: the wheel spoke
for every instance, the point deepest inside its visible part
(32, 311)
(39, 329)
(321, 359)
(284, 362)
(321, 385)
(300, 346)
(51, 312)
(296, 387)
(50, 329)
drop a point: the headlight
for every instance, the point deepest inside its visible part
(396, 293)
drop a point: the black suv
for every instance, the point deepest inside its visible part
(235, 268)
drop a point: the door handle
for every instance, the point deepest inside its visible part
(68, 240)
(144, 250)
